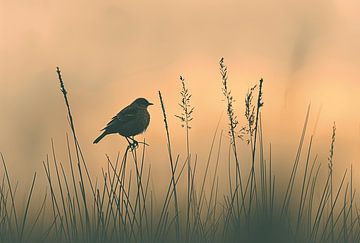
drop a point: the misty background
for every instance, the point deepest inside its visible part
(111, 52)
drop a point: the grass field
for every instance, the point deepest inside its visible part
(121, 206)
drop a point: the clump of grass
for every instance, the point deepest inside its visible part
(121, 206)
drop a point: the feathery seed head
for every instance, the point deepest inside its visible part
(187, 110)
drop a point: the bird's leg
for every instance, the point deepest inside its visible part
(136, 143)
(133, 143)
(130, 143)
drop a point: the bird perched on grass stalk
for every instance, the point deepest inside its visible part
(129, 122)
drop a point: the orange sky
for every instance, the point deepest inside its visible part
(111, 52)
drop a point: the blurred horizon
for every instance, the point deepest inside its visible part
(115, 51)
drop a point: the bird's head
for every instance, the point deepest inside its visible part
(142, 103)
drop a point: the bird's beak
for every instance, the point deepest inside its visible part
(150, 104)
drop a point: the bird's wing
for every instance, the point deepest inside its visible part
(125, 115)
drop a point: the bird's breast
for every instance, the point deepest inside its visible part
(146, 119)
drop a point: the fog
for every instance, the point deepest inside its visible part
(111, 52)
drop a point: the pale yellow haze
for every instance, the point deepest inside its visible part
(111, 52)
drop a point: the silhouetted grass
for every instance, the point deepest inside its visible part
(120, 206)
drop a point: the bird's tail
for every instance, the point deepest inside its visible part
(100, 137)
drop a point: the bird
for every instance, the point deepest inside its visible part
(129, 122)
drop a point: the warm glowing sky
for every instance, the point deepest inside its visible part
(111, 52)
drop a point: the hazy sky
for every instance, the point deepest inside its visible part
(112, 52)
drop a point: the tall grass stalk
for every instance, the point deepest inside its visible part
(259, 104)
(233, 122)
(331, 167)
(173, 170)
(185, 118)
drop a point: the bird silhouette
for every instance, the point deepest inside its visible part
(129, 122)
